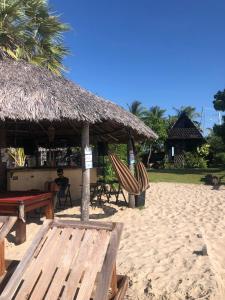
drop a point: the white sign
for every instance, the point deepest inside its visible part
(87, 150)
(172, 151)
(88, 158)
(88, 165)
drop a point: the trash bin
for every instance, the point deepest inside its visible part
(140, 200)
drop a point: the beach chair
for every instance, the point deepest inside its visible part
(6, 224)
(70, 260)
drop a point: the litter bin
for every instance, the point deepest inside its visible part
(140, 200)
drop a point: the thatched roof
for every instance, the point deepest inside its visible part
(31, 93)
(184, 129)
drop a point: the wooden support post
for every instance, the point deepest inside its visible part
(85, 176)
(20, 231)
(49, 209)
(130, 152)
(2, 257)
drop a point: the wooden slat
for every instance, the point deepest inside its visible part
(51, 263)
(31, 275)
(107, 269)
(79, 264)
(82, 225)
(43, 243)
(122, 287)
(2, 257)
(17, 275)
(114, 287)
(95, 263)
(74, 258)
(65, 263)
(7, 226)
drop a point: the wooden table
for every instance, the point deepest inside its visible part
(19, 203)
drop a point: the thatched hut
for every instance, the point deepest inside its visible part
(184, 136)
(33, 94)
(38, 105)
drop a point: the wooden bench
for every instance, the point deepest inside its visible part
(70, 260)
(6, 224)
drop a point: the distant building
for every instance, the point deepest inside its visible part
(184, 136)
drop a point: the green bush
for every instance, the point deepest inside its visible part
(219, 158)
(194, 160)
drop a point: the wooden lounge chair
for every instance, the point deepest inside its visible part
(70, 260)
(6, 224)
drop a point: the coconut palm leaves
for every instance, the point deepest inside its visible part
(137, 109)
(190, 111)
(30, 31)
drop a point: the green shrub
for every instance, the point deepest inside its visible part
(169, 165)
(194, 160)
(219, 158)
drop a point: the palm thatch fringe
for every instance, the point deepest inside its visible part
(29, 92)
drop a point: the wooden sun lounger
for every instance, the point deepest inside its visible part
(6, 224)
(70, 260)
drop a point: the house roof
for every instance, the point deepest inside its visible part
(184, 128)
(34, 94)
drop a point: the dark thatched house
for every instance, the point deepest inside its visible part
(184, 136)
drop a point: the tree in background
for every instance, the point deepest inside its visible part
(155, 119)
(217, 137)
(219, 100)
(190, 111)
(29, 30)
(137, 109)
(219, 104)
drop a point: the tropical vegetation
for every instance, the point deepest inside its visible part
(30, 30)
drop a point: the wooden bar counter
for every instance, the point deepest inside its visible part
(23, 179)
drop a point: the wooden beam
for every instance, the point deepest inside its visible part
(83, 225)
(130, 154)
(85, 175)
(14, 281)
(106, 272)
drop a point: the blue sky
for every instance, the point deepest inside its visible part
(166, 53)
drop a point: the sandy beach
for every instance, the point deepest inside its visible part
(171, 249)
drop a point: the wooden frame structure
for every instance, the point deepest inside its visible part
(19, 203)
(6, 224)
(70, 260)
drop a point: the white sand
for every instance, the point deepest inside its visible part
(163, 246)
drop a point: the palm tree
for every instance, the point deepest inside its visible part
(30, 31)
(190, 111)
(137, 109)
(155, 119)
(154, 113)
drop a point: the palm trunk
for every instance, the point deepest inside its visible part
(149, 155)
